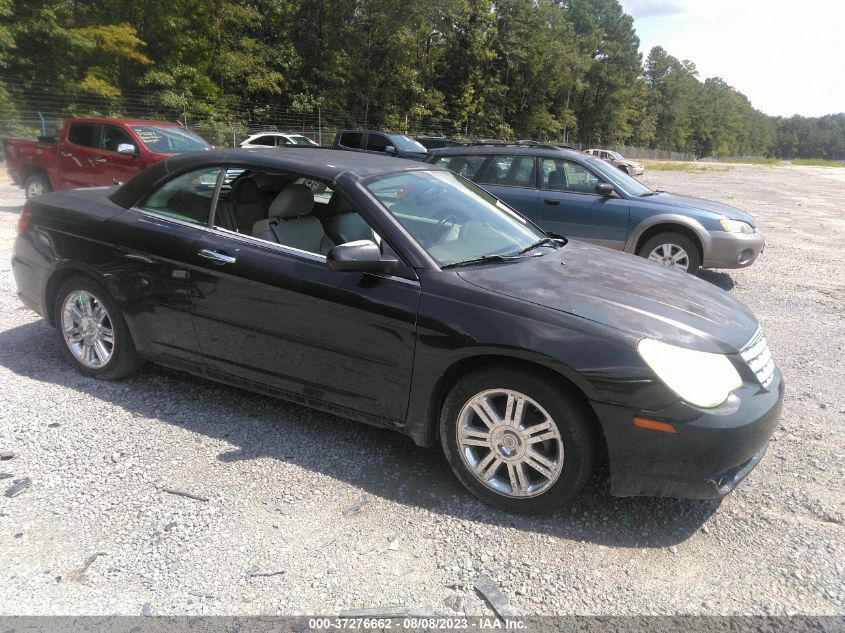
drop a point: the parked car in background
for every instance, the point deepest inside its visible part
(379, 143)
(630, 167)
(581, 196)
(434, 142)
(278, 139)
(412, 300)
(93, 151)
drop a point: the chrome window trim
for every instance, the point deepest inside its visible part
(273, 246)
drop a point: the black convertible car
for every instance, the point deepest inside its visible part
(402, 295)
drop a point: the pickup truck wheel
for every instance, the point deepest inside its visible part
(94, 335)
(517, 440)
(672, 250)
(35, 185)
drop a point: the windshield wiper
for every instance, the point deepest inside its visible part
(546, 240)
(486, 259)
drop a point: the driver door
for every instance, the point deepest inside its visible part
(275, 318)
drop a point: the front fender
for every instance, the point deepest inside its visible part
(668, 219)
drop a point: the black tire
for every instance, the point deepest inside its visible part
(124, 358)
(677, 240)
(624, 169)
(36, 182)
(571, 416)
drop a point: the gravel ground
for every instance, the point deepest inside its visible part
(308, 513)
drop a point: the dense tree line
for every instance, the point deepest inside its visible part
(545, 69)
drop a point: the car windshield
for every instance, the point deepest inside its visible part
(169, 139)
(619, 179)
(452, 219)
(400, 141)
(301, 140)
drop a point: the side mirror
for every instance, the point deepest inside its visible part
(390, 149)
(362, 256)
(127, 148)
(605, 189)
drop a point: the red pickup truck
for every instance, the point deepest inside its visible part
(93, 152)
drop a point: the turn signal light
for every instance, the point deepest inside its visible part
(653, 425)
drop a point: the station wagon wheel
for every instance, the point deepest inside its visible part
(672, 250)
(94, 334)
(518, 439)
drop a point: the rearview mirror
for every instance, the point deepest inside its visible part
(605, 189)
(362, 256)
(127, 148)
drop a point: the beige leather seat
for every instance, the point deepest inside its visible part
(290, 222)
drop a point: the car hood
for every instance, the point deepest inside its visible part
(625, 292)
(688, 202)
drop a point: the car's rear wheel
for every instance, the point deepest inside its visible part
(36, 185)
(518, 440)
(672, 250)
(93, 332)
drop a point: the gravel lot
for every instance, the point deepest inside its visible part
(308, 513)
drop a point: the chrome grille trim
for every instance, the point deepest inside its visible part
(757, 356)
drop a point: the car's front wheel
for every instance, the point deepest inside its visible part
(517, 440)
(93, 332)
(672, 250)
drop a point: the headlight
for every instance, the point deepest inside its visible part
(700, 378)
(736, 226)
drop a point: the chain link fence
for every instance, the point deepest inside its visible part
(33, 109)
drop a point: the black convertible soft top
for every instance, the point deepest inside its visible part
(319, 163)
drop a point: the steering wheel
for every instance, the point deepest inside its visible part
(439, 230)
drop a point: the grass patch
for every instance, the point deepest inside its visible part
(752, 161)
(670, 165)
(817, 162)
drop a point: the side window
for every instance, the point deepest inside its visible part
(513, 171)
(351, 139)
(269, 141)
(186, 197)
(113, 137)
(84, 134)
(553, 174)
(579, 179)
(466, 166)
(377, 142)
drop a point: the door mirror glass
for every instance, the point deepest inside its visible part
(127, 148)
(361, 256)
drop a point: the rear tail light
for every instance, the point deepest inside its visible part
(23, 221)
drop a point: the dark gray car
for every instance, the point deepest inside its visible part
(585, 198)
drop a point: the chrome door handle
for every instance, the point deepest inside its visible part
(217, 258)
(99, 159)
(551, 201)
(66, 154)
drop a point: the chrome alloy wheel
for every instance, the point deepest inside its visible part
(510, 443)
(87, 329)
(671, 256)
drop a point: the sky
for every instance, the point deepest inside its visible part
(786, 57)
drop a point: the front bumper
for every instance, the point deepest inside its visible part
(711, 452)
(732, 250)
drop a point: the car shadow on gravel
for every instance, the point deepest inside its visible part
(717, 278)
(5, 208)
(379, 462)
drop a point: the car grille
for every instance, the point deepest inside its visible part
(758, 357)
